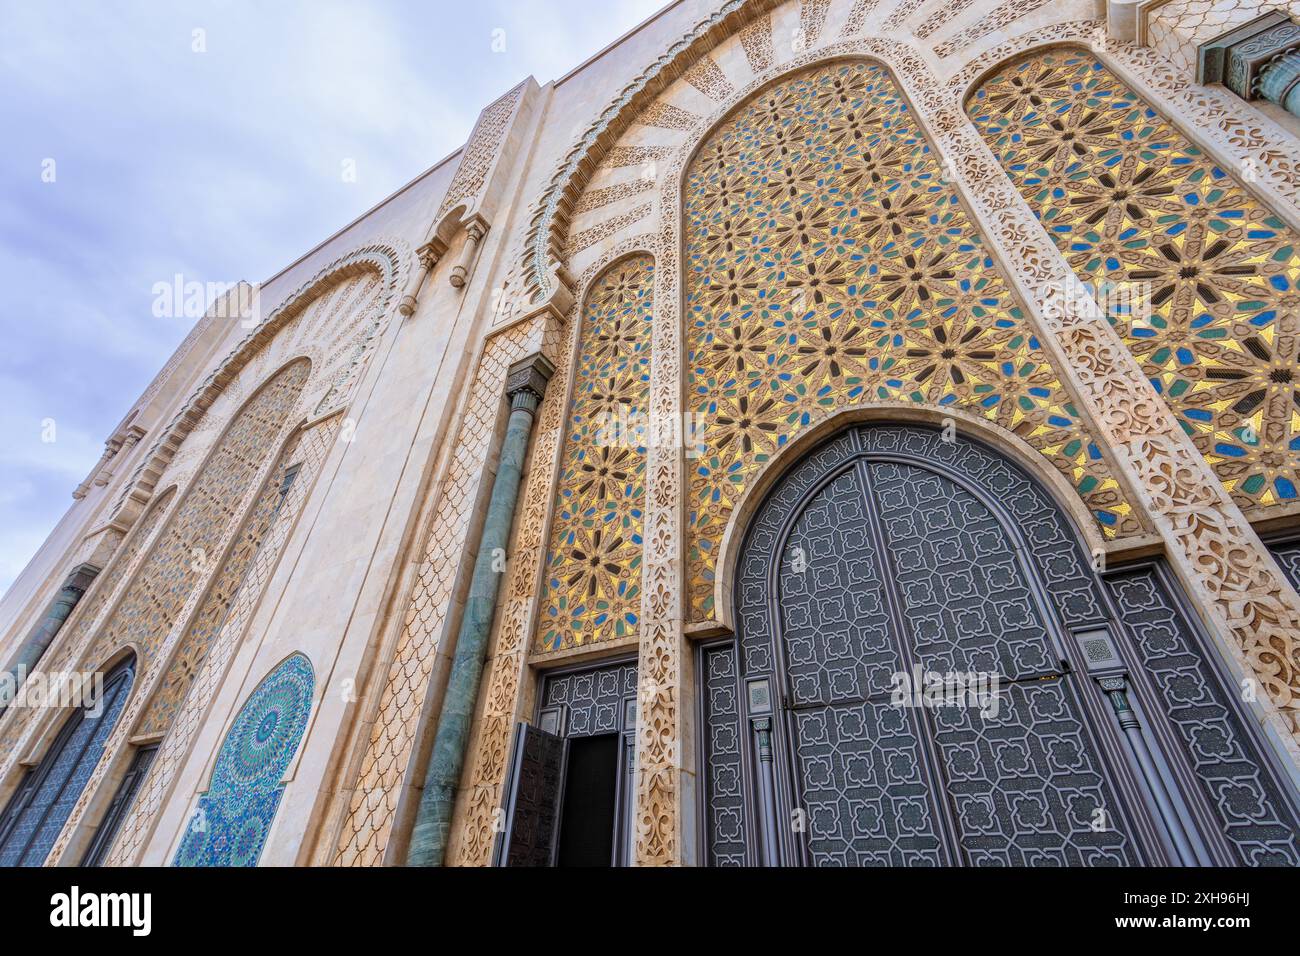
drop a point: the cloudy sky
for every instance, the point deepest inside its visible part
(215, 154)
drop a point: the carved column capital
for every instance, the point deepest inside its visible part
(429, 254)
(475, 229)
(1256, 60)
(526, 381)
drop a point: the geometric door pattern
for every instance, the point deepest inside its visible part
(1248, 800)
(889, 550)
(828, 263)
(1198, 277)
(865, 563)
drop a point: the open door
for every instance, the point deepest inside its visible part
(534, 796)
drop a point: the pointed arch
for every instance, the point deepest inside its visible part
(191, 543)
(343, 357)
(591, 579)
(830, 263)
(44, 799)
(87, 612)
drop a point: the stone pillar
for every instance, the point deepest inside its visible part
(1279, 81)
(40, 638)
(428, 254)
(525, 385)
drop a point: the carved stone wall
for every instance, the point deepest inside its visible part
(988, 321)
(1218, 556)
(1175, 29)
(307, 449)
(185, 585)
(399, 698)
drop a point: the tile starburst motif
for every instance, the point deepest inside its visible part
(829, 265)
(234, 816)
(1198, 277)
(592, 578)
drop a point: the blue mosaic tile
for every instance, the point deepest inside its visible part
(230, 824)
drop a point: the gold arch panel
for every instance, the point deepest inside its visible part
(1197, 276)
(591, 584)
(829, 263)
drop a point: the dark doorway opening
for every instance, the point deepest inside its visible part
(588, 820)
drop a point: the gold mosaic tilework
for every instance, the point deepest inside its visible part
(830, 264)
(592, 579)
(1209, 276)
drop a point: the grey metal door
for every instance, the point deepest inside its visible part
(576, 702)
(885, 557)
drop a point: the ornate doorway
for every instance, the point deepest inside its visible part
(569, 792)
(927, 672)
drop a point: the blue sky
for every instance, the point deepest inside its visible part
(218, 164)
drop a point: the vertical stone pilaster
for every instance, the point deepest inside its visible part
(662, 701)
(525, 386)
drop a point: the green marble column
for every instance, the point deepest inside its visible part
(525, 384)
(40, 638)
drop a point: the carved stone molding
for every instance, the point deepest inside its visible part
(397, 691)
(549, 225)
(139, 824)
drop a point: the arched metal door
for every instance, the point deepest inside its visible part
(888, 560)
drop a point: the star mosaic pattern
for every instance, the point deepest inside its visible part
(830, 264)
(1196, 275)
(230, 825)
(592, 579)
